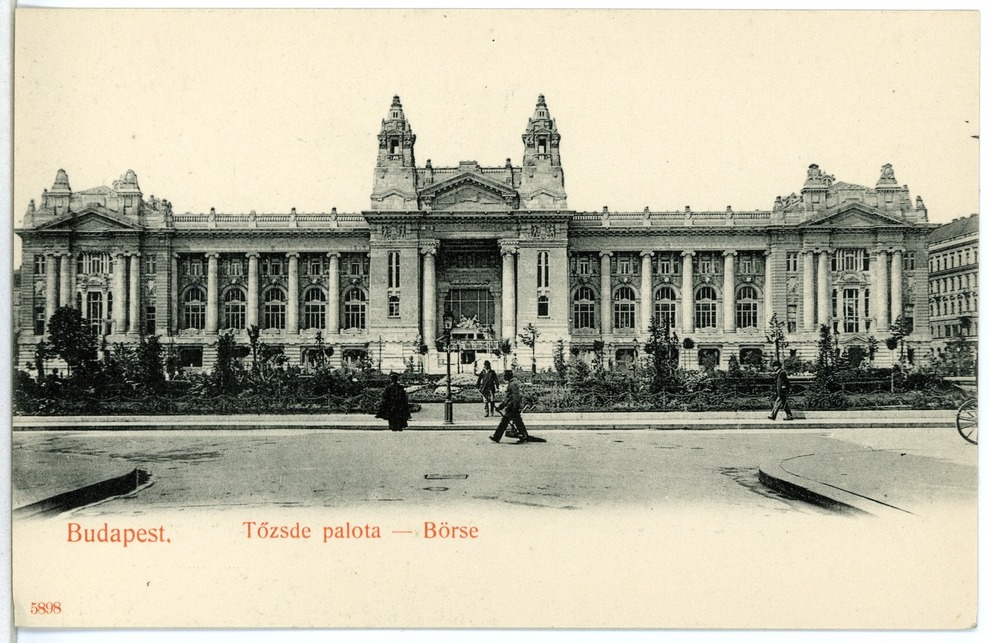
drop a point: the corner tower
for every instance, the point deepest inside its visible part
(395, 171)
(542, 185)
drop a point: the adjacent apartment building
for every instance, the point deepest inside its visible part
(497, 248)
(953, 268)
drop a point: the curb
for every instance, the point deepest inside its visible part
(776, 477)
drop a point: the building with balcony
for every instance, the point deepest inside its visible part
(497, 247)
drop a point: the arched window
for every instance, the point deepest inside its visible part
(355, 309)
(747, 308)
(665, 307)
(705, 307)
(194, 308)
(234, 309)
(314, 308)
(584, 308)
(624, 308)
(274, 309)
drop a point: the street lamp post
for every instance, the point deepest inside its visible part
(448, 404)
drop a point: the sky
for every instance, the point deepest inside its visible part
(272, 110)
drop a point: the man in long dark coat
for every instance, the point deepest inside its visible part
(513, 409)
(395, 405)
(782, 386)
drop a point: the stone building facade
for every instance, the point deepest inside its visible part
(498, 248)
(953, 268)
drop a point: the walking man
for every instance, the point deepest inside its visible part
(513, 407)
(488, 384)
(782, 385)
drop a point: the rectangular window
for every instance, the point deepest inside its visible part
(665, 266)
(625, 266)
(543, 270)
(151, 264)
(393, 269)
(705, 264)
(850, 310)
(393, 305)
(542, 306)
(583, 266)
(39, 265)
(195, 267)
(746, 264)
(39, 320)
(791, 318)
(704, 314)
(236, 267)
(149, 320)
(315, 266)
(792, 262)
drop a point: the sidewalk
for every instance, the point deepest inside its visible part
(469, 417)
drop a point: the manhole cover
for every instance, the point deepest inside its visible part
(446, 476)
(436, 488)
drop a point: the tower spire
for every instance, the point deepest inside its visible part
(396, 139)
(543, 178)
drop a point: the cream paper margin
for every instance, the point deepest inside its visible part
(624, 568)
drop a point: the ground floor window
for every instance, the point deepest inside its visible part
(191, 357)
(752, 357)
(476, 303)
(708, 358)
(150, 315)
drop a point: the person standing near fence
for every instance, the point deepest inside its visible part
(782, 387)
(488, 385)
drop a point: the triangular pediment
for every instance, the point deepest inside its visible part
(851, 216)
(94, 219)
(469, 191)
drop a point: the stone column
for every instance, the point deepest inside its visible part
(292, 307)
(51, 285)
(823, 295)
(808, 268)
(509, 293)
(768, 289)
(119, 293)
(73, 277)
(430, 297)
(729, 292)
(251, 315)
(134, 295)
(687, 292)
(896, 297)
(173, 277)
(646, 292)
(881, 292)
(861, 309)
(64, 289)
(606, 311)
(333, 294)
(212, 293)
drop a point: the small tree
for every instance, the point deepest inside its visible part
(825, 391)
(503, 350)
(559, 363)
(223, 371)
(734, 369)
(528, 338)
(41, 354)
(662, 349)
(898, 331)
(151, 370)
(776, 336)
(72, 338)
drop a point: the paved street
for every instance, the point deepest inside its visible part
(360, 468)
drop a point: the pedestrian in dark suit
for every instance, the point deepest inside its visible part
(488, 385)
(513, 408)
(782, 386)
(395, 405)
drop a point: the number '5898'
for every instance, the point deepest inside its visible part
(46, 608)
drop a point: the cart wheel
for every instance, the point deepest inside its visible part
(966, 421)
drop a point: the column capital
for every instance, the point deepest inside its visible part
(824, 251)
(134, 253)
(604, 254)
(730, 253)
(115, 253)
(333, 255)
(212, 255)
(430, 246)
(175, 256)
(895, 250)
(646, 253)
(688, 253)
(880, 250)
(767, 252)
(508, 246)
(292, 255)
(253, 255)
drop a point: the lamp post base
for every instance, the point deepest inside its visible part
(448, 412)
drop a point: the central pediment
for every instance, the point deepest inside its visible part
(92, 219)
(853, 215)
(469, 191)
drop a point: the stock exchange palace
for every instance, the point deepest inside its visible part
(495, 249)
